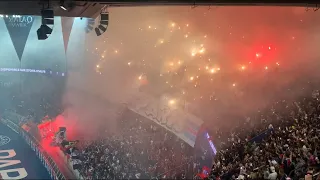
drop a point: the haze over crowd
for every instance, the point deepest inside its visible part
(229, 61)
(220, 63)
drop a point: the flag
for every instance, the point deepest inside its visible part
(19, 29)
(66, 23)
(204, 172)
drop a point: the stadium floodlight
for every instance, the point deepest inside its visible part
(47, 17)
(62, 6)
(104, 22)
(47, 24)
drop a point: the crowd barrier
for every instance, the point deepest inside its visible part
(68, 161)
(45, 159)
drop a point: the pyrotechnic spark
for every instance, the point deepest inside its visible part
(167, 57)
(172, 102)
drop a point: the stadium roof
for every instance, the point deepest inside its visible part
(91, 8)
(311, 3)
(33, 7)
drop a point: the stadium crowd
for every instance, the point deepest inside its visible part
(288, 147)
(142, 150)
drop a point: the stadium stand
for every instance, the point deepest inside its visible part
(141, 150)
(287, 149)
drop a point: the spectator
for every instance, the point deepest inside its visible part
(288, 150)
(142, 150)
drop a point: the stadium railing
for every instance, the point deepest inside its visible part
(68, 162)
(45, 159)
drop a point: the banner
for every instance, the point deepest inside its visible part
(66, 23)
(175, 119)
(19, 29)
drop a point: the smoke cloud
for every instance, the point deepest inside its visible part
(278, 46)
